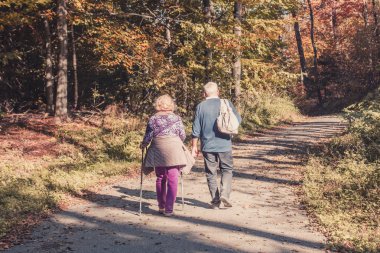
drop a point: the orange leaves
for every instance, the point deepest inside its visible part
(119, 45)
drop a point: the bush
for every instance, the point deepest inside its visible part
(266, 109)
(342, 182)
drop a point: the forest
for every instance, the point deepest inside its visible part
(60, 56)
(103, 62)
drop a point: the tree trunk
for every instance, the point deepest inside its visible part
(334, 20)
(49, 79)
(61, 100)
(236, 71)
(315, 53)
(301, 54)
(369, 41)
(373, 46)
(375, 17)
(208, 13)
(75, 68)
(185, 92)
(365, 13)
(168, 36)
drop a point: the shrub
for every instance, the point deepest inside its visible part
(342, 182)
(267, 109)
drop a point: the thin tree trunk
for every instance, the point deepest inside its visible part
(365, 13)
(168, 36)
(61, 100)
(369, 41)
(236, 71)
(315, 53)
(301, 54)
(375, 17)
(334, 20)
(75, 68)
(185, 94)
(49, 79)
(208, 13)
(373, 45)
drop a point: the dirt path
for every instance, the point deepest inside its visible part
(266, 216)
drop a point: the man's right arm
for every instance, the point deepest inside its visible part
(196, 132)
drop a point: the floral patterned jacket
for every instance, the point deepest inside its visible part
(163, 125)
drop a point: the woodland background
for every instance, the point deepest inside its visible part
(89, 54)
(101, 63)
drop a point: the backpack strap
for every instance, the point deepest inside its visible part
(223, 105)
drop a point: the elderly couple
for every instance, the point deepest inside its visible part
(167, 154)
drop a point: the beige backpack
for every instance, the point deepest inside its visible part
(227, 121)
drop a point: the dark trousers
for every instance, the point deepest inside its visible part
(224, 162)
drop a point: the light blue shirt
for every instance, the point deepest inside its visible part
(205, 127)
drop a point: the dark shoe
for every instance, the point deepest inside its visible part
(161, 210)
(215, 205)
(225, 201)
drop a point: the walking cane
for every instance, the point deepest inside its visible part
(141, 180)
(183, 201)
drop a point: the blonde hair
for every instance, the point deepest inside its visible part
(164, 103)
(210, 89)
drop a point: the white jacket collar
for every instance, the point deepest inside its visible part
(212, 97)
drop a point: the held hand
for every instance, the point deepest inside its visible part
(194, 152)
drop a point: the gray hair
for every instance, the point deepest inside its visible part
(210, 89)
(164, 103)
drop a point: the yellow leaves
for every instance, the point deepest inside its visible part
(48, 14)
(13, 19)
(79, 4)
(119, 45)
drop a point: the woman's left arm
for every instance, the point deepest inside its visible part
(148, 135)
(181, 130)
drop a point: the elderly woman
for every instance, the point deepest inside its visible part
(166, 154)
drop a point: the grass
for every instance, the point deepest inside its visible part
(87, 154)
(342, 182)
(345, 198)
(265, 110)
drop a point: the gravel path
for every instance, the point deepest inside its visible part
(266, 216)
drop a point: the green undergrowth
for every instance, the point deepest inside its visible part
(342, 181)
(89, 154)
(262, 110)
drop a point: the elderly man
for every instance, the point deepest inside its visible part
(215, 146)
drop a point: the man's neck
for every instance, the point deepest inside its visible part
(210, 97)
